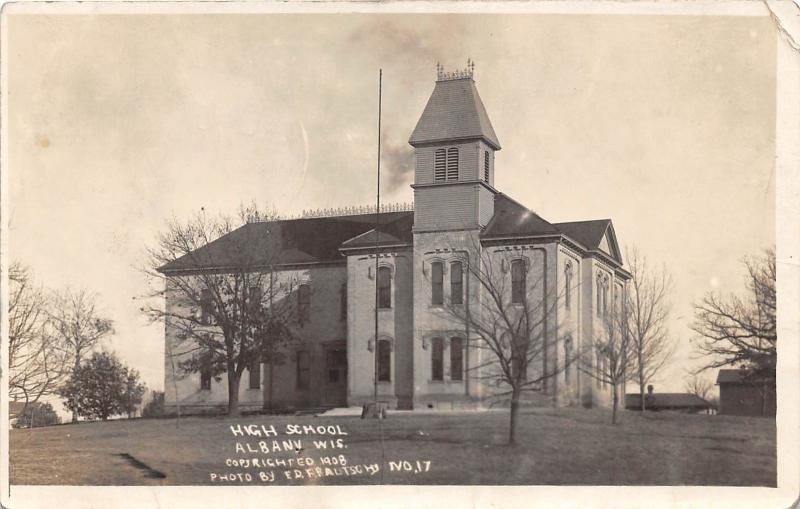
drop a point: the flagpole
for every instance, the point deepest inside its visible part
(377, 235)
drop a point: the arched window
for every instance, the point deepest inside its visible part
(303, 304)
(437, 280)
(568, 285)
(599, 296)
(452, 163)
(567, 358)
(486, 163)
(384, 361)
(518, 281)
(384, 287)
(303, 369)
(456, 283)
(456, 359)
(437, 359)
(605, 296)
(440, 165)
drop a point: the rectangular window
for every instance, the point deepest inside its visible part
(384, 287)
(255, 296)
(384, 361)
(343, 302)
(518, 281)
(486, 162)
(205, 371)
(456, 283)
(255, 375)
(452, 163)
(456, 359)
(437, 359)
(303, 304)
(303, 370)
(439, 166)
(437, 279)
(567, 358)
(206, 307)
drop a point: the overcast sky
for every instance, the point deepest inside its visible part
(664, 124)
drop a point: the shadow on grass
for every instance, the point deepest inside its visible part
(149, 472)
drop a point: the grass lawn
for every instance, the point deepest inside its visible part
(557, 446)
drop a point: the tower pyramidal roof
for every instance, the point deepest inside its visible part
(454, 111)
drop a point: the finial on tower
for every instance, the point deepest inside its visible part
(458, 74)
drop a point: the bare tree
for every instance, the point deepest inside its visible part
(77, 326)
(613, 354)
(699, 386)
(735, 331)
(648, 313)
(509, 320)
(36, 365)
(227, 318)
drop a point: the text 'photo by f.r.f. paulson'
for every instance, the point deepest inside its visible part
(467, 252)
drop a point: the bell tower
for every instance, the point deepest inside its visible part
(454, 146)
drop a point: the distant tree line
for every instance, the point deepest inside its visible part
(51, 337)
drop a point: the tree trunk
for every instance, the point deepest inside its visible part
(233, 393)
(615, 399)
(641, 383)
(74, 371)
(512, 426)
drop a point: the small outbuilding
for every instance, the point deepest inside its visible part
(742, 394)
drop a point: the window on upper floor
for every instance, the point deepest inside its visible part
(384, 287)
(518, 281)
(440, 165)
(303, 304)
(456, 359)
(343, 302)
(384, 361)
(452, 163)
(437, 359)
(254, 298)
(456, 283)
(206, 307)
(568, 285)
(486, 163)
(437, 281)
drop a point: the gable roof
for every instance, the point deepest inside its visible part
(454, 112)
(597, 234)
(393, 233)
(284, 242)
(731, 376)
(511, 219)
(668, 400)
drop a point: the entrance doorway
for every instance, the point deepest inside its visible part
(336, 376)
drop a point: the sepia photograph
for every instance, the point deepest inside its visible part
(388, 245)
